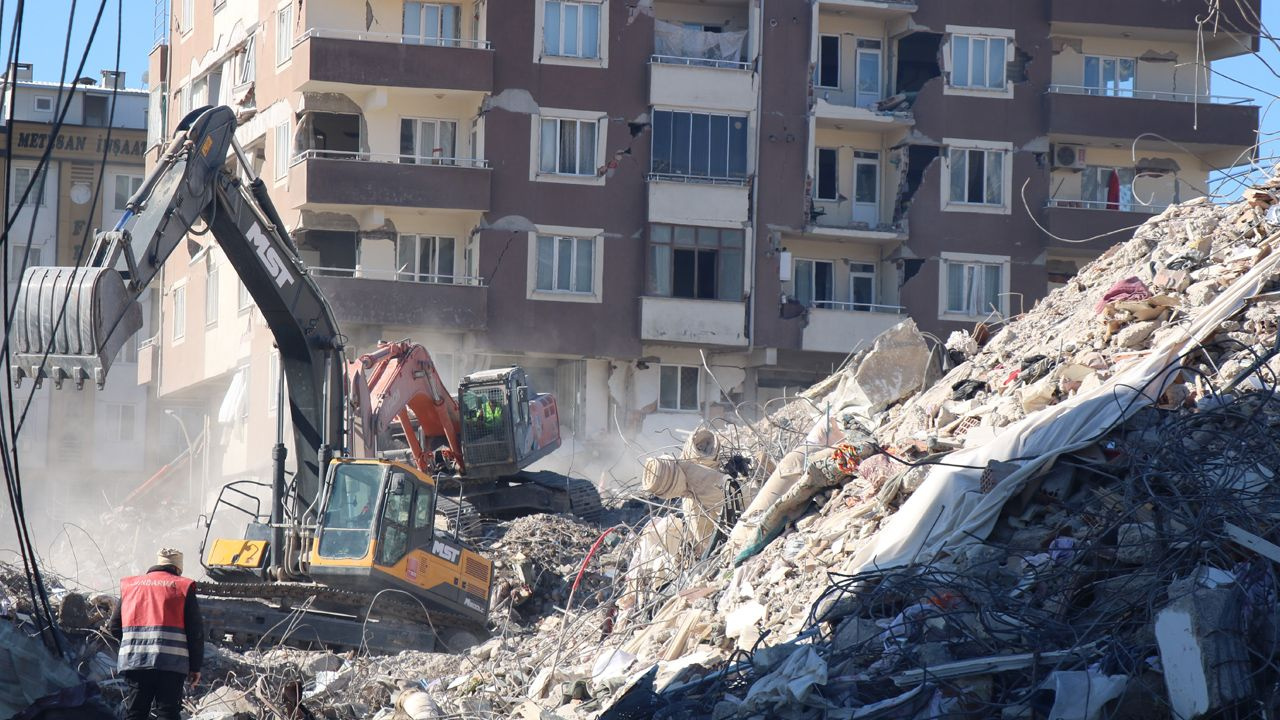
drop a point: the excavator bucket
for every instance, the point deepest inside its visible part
(69, 323)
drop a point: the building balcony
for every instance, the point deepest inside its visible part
(361, 59)
(1220, 130)
(1107, 222)
(388, 298)
(354, 178)
(841, 327)
(824, 228)
(835, 111)
(695, 83)
(691, 200)
(870, 8)
(1159, 17)
(699, 322)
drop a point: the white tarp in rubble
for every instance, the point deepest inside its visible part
(674, 40)
(949, 509)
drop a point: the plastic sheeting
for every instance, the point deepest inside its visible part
(949, 509)
(674, 40)
(28, 672)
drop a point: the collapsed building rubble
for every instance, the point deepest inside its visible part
(1070, 514)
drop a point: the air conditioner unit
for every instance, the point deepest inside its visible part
(1067, 156)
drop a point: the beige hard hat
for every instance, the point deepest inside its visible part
(169, 556)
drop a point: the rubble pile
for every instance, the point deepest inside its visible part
(1069, 514)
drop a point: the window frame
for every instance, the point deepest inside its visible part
(244, 301)
(595, 235)
(722, 248)
(245, 67)
(431, 242)
(35, 104)
(1005, 91)
(817, 174)
(1004, 149)
(817, 80)
(560, 114)
(678, 116)
(680, 406)
(188, 17)
(1106, 90)
(970, 66)
(558, 155)
(873, 274)
(178, 312)
(284, 34)
(273, 382)
(418, 158)
(828, 303)
(947, 259)
(19, 187)
(211, 298)
(601, 25)
(282, 150)
(133, 189)
(439, 40)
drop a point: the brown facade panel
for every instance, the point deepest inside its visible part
(1108, 226)
(359, 62)
(1127, 118)
(387, 302)
(349, 182)
(1162, 14)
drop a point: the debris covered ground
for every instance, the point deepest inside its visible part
(1069, 515)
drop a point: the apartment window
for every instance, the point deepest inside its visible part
(567, 147)
(188, 15)
(973, 288)
(244, 301)
(699, 144)
(976, 177)
(430, 142)
(184, 100)
(695, 262)
(214, 79)
(211, 297)
(678, 388)
(120, 419)
(829, 61)
(870, 57)
(571, 29)
(815, 282)
(44, 103)
(125, 187)
(22, 178)
(22, 257)
(273, 382)
(179, 312)
(828, 185)
(566, 264)
(862, 286)
(282, 150)
(432, 23)
(424, 258)
(1110, 75)
(246, 62)
(200, 92)
(978, 62)
(284, 33)
(128, 351)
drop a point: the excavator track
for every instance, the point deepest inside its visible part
(315, 616)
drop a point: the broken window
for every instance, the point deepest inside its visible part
(828, 185)
(432, 24)
(565, 264)
(695, 262)
(973, 288)
(428, 142)
(567, 147)
(978, 62)
(977, 176)
(815, 283)
(678, 387)
(1110, 75)
(246, 62)
(862, 286)
(699, 144)
(1108, 187)
(425, 258)
(571, 29)
(828, 62)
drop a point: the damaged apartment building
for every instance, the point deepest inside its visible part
(665, 208)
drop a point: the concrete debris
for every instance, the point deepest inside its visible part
(1069, 514)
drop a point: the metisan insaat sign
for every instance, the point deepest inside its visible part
(79, 143)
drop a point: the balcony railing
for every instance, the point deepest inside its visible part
(1105, 205)
(697, 179)
(857, 307)
(1150, 95)
(391, 38)
(357, 156)
(397, 276)
(699, 62)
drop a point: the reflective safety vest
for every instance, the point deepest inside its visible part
(153, 623)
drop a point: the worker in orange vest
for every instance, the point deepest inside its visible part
(161, 638)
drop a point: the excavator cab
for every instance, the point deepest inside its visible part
(505, 425)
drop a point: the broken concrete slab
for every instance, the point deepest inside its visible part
(1203, 652)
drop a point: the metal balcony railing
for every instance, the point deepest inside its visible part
(1106, 206)
(339, 34)
(697, 179)
(394, 158)
(857, 307)
(397, 276)
(699, 62)
(1150, 95)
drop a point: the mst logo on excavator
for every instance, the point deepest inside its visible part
(271, 260)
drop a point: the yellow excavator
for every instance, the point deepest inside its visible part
(349, 552)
